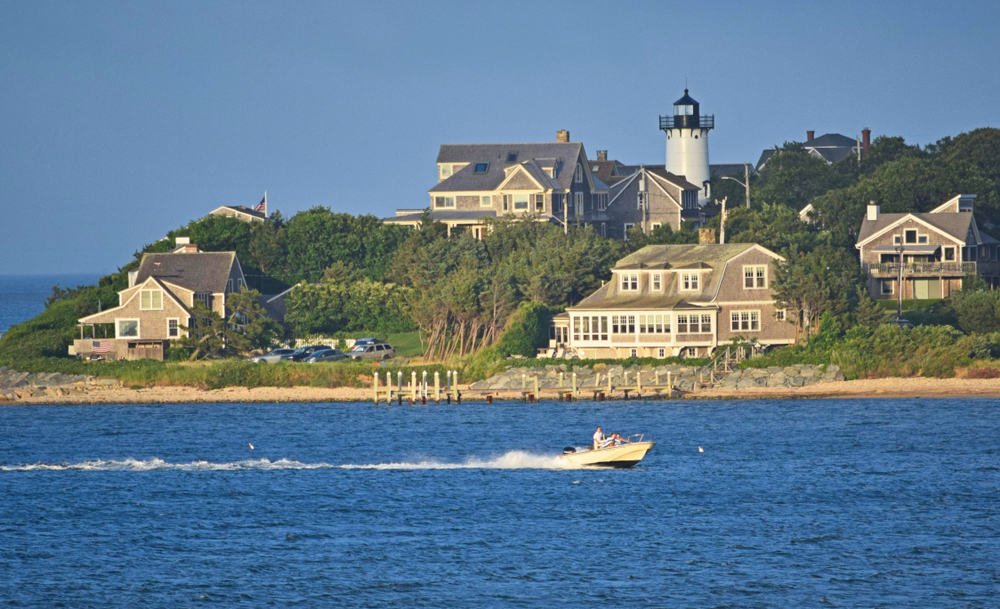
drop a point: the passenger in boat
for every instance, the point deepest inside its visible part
(616, 439)
(598, 438)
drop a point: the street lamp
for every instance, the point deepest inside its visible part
(745, 183)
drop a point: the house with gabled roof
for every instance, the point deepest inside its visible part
(536, 181)
(925, 255)
(648, 198)
(830, 147)
(156, 307)
(677, 300)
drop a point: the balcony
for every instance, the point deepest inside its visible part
(920, 269)
(687, 122)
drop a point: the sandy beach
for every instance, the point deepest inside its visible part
(882, 388)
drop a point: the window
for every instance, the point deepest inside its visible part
(204, 298)
(578, 202)
(590, 327)
(444, 201)
(506, 202)
(445, 171)
(779, 315)
(539, 202)
(556, 203)
(173, 328)
(511, 157)
(482, 167)
(633, 352)
(689, 282)
(657, 282)
(895, 239)
(948, 254)
(755, 276)
(578, 174)
(655, 225)
(886, 287)
(694, 323)
(706, 323)
(910, 235)
(921, 238)
(127, 328)
(661, 353)
(626, 228)
(630, 282)
(623, 324)
(656, 323)
(520, 202)
(744, 321)
(150, 300)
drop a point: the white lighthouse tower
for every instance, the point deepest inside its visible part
(687, 143)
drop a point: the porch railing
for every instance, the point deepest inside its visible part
(920, 268)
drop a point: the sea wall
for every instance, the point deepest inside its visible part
(684, 378)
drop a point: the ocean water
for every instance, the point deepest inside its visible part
(23, 296)
(818, 503)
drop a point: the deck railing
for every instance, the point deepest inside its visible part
(921, 268)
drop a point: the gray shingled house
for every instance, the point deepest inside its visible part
(156, 306)
(542, 182)
(670, 300)
(938, 249)
(650, 197)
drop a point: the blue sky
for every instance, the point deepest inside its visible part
(123, 120)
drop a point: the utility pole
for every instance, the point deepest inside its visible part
(746, 182)
(722, 222)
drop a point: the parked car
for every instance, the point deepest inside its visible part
(272, 357)
(303, 352)
(326, 355)
(377, 350)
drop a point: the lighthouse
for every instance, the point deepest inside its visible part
(687, 143)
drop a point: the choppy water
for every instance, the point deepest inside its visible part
(831, 503)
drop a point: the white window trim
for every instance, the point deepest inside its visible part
(654, 279)
(578, 174)
(750, 320)
(446, 199)
(178, 320)
(693, 274)
(138, 327)
(150, 307)
(629, 282)
(755, 286)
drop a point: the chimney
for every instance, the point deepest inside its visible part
(132, 275)
(602, 155)
(866, 139)
(706, 235)
(872, 213)
(183, 245)
(810, 135)
(562, 136)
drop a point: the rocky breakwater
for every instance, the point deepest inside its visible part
(798, 375)
(15, 385)
(560, 377)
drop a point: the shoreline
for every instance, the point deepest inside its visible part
(908, 387)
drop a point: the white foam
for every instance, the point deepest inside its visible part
(514, 459)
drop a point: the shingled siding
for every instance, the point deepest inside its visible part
(938, 279)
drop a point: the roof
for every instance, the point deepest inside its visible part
(954, 224)
(243, 210)
(831, 140)
(687, 99)
(442, 216)
(709, 257)
(561, 156)
(200, 272)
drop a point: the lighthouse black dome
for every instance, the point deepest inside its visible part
(686, 106)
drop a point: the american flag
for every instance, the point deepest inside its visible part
(102, 346)
(262, 206)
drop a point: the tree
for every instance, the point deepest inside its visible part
(246, 327)
(810, 284)
(977, 310)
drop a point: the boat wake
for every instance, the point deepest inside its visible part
(511, 460)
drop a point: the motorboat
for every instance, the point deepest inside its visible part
(626, 454)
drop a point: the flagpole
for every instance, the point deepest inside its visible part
(265, 203)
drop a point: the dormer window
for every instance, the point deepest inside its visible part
(630, 282)
(445, 171)
(690, 282)
(656, 282)
(482, 167)
(511, 157)
(578, 174)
